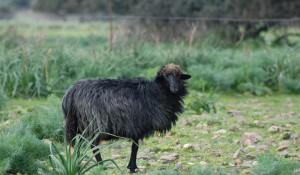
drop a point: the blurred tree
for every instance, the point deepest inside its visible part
(53, 6)
(254, 9)
(233, 9)
(87, 6)
(21, 3)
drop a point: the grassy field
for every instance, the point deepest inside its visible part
(209, 140)
(255, 130)
(35, 59)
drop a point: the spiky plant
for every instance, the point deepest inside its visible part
(76, 160)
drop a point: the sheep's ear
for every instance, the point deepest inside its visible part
(185, 76)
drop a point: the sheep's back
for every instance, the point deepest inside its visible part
(123, 108)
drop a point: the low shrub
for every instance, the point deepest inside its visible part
(271, 165)
(201, 102)
(21, 153)
(46, 122)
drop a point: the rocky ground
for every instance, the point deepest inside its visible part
(243, 129)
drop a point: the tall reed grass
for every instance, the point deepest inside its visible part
(41, 65)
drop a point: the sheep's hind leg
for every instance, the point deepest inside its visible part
(96, 152)
(132, 162)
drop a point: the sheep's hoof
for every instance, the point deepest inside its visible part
(133, 170)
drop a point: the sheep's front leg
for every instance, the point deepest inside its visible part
(132, 162)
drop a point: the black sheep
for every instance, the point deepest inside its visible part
(133, 108)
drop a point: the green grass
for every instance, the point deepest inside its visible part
(276, 166)
(38, 62)
(22, 152)
(252, 114)
(36, 59)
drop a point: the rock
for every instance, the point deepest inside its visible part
(217, 153)
(275, 129)
(237, 162)
(178, 165)
(262, 147)
(246, 171)
(216, 136)
(256, 148)
(117, 156)
(169, 157)
(295, 155)
(248, 164)
(221, 131)
(142, 169)
(203, 163)
(234, 113)
(250, 138)
(284, 153)
(236, 141)
(155, 149)
(168, 134)
(237, 153)
(283, 145)
(258, 123)
(197, 146)
(47, 141)
(296, 137)
(188, 146)
(225, 163)
(187, 123)
(234, 128)
(145, 156)
(286, 136)
(288, 126)
(250, 156)
(203, 128)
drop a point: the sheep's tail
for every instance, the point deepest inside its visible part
(71, 124)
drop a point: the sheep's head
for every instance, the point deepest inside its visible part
(172, 77)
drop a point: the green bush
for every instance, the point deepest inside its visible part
(21, 152)
(271, 165)
(46, 122)
(200, 102)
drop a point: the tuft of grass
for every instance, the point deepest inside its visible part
(272, 165)
(78, 160)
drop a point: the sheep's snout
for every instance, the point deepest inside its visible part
(173, 84)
